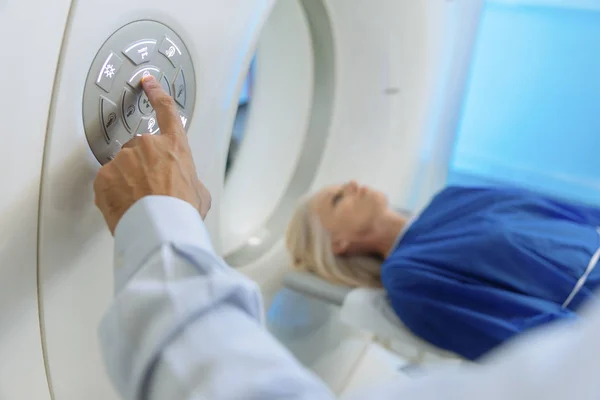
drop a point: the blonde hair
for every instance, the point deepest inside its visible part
(310, 247)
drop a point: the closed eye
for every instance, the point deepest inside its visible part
(336, 198)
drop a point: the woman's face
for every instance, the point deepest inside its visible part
(348, 212)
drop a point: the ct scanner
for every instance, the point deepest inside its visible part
(364, 89)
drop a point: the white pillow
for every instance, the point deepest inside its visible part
(369, 309)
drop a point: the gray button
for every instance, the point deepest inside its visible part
(129, 106)
(179, 91)
(136, 78)
(169, 49)
(109, 71)
(109, 115)
(140, 51)
(165, 84)
(144, 105)
(184, 119)
(147, 125)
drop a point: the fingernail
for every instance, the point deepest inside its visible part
(148, 79)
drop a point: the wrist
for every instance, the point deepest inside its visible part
(116, 216)
(151, 222)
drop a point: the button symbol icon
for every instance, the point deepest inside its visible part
(130, 111)
(143, 53)
(109, 70)
(151, 124)
(146, 103)
(145, 74)
(170, 52)
(139, 52)
(112, 118)
(184, 120)
(180, 90)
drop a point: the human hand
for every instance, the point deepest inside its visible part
(151, 165)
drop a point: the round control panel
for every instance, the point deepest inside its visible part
(115, 108)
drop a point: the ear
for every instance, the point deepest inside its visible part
(340, 247)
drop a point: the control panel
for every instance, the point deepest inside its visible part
(115, 108)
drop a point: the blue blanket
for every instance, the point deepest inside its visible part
(481, 265)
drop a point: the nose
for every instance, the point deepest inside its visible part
(353, 186)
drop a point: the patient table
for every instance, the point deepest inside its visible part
(369, 310)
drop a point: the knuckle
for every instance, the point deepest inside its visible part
(130, 144)
(101, 176)
(138, 144)
(125, 155)
(179, 145)
(174, 143)
(144, 140)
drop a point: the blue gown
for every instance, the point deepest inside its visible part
(481, 265)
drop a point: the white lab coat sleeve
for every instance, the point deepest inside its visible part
(183, 325)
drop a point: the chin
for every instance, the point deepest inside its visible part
(377, 203)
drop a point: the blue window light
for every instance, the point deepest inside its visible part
(531, 115)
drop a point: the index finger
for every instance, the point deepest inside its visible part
(167, 115)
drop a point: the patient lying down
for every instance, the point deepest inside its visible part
(477, 267)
